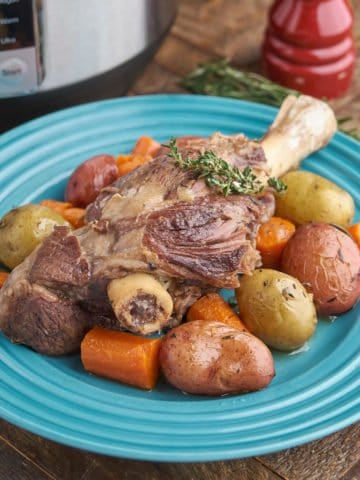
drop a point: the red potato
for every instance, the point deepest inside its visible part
(327, 262)
(89, 178)
(211, 358)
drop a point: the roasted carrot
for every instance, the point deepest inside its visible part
(271, 240)
(57, 206)
(213, 307)
(75, 216)
(126, 163)
(355, 232)
(122, 356)
(146, 146)
(3, 277)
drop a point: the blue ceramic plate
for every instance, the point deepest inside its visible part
(315, 392)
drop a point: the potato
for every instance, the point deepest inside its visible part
(276, 308)
(211, 358)
(327, 262)
(22, 229)
(311, 198)
(89, 178)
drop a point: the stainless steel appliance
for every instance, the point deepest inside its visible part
(56, 53)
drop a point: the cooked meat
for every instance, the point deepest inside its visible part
(158, 220)
(210, 240)
(139, 224)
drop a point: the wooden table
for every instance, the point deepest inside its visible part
(204, 30)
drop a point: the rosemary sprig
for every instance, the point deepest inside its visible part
(220, 175)
(220, 79)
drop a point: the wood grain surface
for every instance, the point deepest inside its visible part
(204, 30)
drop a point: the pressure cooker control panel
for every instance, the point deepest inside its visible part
(20, 47)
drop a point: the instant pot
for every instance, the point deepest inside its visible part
(56, 53)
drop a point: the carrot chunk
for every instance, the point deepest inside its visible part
(144, 150)
(126, 163)
(75, 216)
(122, 356)
(213, 307)
(57, 206)
(3, 277)
(146, 146)
(355, 232)
(271, 240)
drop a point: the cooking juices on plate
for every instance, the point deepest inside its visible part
(145, 240)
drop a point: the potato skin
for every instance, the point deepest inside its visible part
(327, 262)
(89, 178)
(22, 229)
(211, 358)
(312, 198)
(276, 308)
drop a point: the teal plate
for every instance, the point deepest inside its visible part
(314, 393)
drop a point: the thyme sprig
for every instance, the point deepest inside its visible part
(220, 175)
(220, 79)
(277, 184)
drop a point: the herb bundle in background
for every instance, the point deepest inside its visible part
(220, 79)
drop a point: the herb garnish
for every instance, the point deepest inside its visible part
(277, 184)
(220, 79)
(220, 175)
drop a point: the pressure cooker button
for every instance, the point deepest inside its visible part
(12, 71)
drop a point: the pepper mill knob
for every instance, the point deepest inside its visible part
(309, 46)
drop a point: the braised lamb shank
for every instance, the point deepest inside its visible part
(155, 240)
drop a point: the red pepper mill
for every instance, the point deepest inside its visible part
(309, 46)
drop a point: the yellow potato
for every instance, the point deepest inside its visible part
(22, 229)
(276, 308)
(312, 198)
